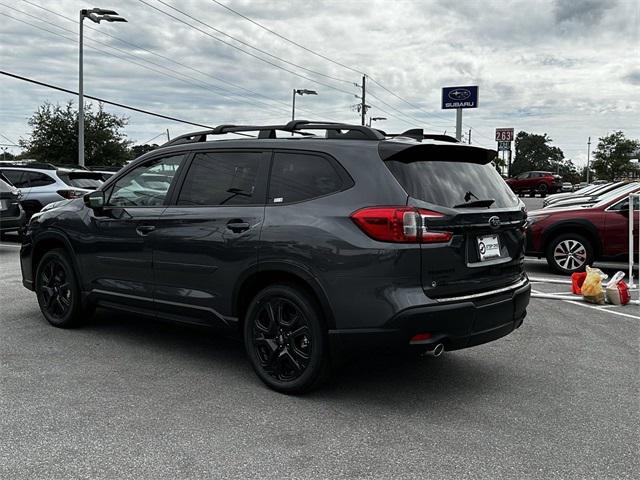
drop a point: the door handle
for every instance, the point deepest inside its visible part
(238, 226)
(145, 229)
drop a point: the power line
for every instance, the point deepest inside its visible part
(242, 98)
(8, 139)
(313, 52)
(342, 80)
(102, 100)
(242, 50)
(289, 40)
(102, 32)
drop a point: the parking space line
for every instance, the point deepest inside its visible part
(602, 308)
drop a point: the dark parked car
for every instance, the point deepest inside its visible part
(12, 215)
(306, 246)
(573, 237)
(542, 183)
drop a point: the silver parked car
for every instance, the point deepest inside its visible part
(43, 183)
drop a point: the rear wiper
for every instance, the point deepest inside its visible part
(476, 204)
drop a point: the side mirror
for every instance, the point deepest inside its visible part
(94, 200)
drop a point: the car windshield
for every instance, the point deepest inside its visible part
(88, 180)
(618, 192)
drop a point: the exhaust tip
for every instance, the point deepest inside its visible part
(436, 351)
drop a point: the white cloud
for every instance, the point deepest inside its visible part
(566, 68)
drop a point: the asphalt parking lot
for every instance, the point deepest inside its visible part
(125, 397)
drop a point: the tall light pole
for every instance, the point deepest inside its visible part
(375, 119)
(588, 157)
(299, 91)
(96, 15)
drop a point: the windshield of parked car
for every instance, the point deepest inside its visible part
(453, 184)
(618, 192)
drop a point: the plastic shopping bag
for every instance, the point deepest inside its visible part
(617, 291)
(592, 290)
(577, 279)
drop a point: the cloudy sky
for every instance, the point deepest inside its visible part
(569, 68)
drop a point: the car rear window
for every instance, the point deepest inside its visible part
(452, 183)
(88, 180)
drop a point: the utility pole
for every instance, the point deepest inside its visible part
(168, 138)
(469, 136)
(588, 157)
(364, 105)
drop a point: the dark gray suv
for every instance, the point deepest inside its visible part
(306, 245)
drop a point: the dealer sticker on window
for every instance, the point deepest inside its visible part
(488, 247)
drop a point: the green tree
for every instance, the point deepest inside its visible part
(612, 159)
(139, 150)
(54, 136)
(533, 152)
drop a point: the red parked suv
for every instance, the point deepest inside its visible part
(536, 182)
(573, 237)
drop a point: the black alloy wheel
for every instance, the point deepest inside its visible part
(57, 290)
(284, 339)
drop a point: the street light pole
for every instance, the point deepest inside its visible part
(96, 15)
(81, 97)
(293, 107)
(299, 91)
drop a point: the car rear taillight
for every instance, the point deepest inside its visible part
(399, 225)
(70, 194)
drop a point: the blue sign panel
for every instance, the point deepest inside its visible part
(460, 97)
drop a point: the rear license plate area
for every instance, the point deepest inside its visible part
(488, 247)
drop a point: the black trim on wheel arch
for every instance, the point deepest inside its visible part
(52, 234)
(562, 227)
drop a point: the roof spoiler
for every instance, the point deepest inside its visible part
(460, 152)
(419, 135)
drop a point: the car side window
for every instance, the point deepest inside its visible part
(221, 178)
(522, 176)
(146, 185)
(17, 178)
(296, 177)
(38, 179)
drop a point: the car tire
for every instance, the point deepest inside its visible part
(569, 253)
(542, 189)
(286, 339)
(57, 290)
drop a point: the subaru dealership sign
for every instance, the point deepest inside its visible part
(460, 97)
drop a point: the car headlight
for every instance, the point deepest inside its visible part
(535, 218)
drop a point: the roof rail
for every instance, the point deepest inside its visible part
(27, 164)
(334, 130)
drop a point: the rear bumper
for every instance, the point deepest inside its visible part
(459, 324)
(13, 223)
